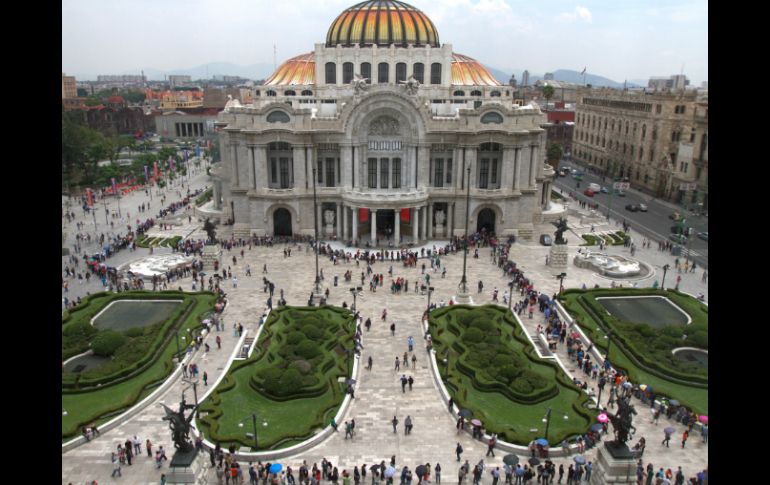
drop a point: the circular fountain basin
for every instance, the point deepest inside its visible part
(612, 266)
(691, 354)
(84, 362)
(157, 265)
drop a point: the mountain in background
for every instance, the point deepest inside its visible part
(208, 71)
(565, 75)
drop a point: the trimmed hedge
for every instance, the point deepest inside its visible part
(107, 342)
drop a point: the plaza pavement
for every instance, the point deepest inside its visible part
(378, 393)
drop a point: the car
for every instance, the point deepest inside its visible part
(642, 207)
(595, 187)
(704, 236)
(545, 240)
(562, 173)
(675, 216)
(589, 192)
(604, 190)
(632, 207)
(678, 238)
(620, 193)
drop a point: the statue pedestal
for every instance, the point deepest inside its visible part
(438, 231)
(559, 256)
(186, 467)
(329, 229)
(211, 253)
(615, 464)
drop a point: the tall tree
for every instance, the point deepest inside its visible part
(548, 92)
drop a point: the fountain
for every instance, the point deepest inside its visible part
(156, 265)
(612, 266)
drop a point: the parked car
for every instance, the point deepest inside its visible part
(704, 236)
(632, 207)
(678, 238)
(594, 187)
(545, 240)
(642, 207)
(562, 173)
(589, 192)
(620, 193)
(675, 216)
(604, 190)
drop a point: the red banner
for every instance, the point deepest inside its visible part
(90, 197)
(406, 215)
(363, 215)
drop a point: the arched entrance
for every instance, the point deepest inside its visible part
(282, 222)
(486, 221)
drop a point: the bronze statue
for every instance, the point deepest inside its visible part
(180, 425)
(561, 226)
(621, 422)
(209, 227)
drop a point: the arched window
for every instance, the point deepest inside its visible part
(495, 94)
(605, 123)
(278, 117)
(644, 131)
(475, 93)
(612, 126)
(366, 72)
(400, 72)
(382, 72)
(419, 72)
(492, 117)
(307, 92)
(270, 92)
(289, 92)
(331, 73)
(634, 132)
(347, 72)
(458, 93)
(626, 127)
(435, 73)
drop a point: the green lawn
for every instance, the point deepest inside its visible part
(293, 409)
(693, 396)
(84, 407)
(511, 419)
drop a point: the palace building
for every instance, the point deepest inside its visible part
(389, 120)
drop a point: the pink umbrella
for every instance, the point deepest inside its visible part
(703, 419)
(602, 418)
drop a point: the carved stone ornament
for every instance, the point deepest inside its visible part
(384, 125)
(329, 217)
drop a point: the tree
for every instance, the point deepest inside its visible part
(548, 92)
(554, 153)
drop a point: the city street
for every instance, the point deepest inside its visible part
(655, 223)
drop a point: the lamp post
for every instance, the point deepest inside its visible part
(547, 421)
(317, 286)
(446, 363)
(464, 281)
(354, 291)
(511, 284)
(106, 211)
(194, 385)
(607, 357)
(254, 424)
(665, 268)
(430, 291)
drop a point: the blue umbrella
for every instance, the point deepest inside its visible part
(541, 442)
(595, 428)
(580, 460)
(276, 468)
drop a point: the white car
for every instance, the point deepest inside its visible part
(643, 207)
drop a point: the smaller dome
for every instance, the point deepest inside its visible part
(467, 71)
(297, 71)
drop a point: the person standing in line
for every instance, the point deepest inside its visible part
(589, 469)
(205, 378)
(411, 381)
(438, 473)
(398, 364)
(137, 446)
(404, 381)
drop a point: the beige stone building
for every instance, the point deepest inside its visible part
(68, 87)
(390, 119)
(659, 141)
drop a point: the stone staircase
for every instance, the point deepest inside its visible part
(247, 343)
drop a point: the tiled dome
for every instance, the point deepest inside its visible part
(382, 22)
(297, 71)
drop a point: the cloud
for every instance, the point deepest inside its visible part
(580, 13)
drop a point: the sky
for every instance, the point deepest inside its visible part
(617, 39)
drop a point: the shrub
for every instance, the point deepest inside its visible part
(295, 337)
(290, 382)
(302, 365)
(312, 332)
(134, 332)
(107, 342)
(473, 335)
(307, 349)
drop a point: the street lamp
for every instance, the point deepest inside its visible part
(446, 363)
(547, 421)
(561, 277)
(430, 291)
(354, 291)
(315, 228)
(254, 423)
(665, 268)
(464, 281)
(511, 284)
(194, 385)
(606, 358)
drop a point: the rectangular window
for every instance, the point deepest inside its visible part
(273, 170)
(438, 179)
(320, 171)
(435, 73)
(449, 171)
(396, 173)
(330, 172)
(493, 180)
(284, 173)
(347, 72)
(372, 173)
(483, 173)
(382, 72)
(384, 173)
(366, 72)
(419, 72)
(400, 72)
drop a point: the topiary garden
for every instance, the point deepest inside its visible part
(290, 380)
(494, 371)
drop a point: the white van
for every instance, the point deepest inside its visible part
(594, 187)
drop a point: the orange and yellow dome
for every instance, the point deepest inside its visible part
(382, 22)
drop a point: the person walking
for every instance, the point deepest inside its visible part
(438, 473)
(394, 422)
(491, 446)
(589, 469)
(458, 451)
(411, 381)
(404, 382)
(148, 446)
(704, 431)
(398, 364)
(219, 342)
(666, 439)
(205, 378)
(685, 435)
(392, 329)
(408, 425)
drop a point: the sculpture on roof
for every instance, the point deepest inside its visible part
(231, 103)
(359, 83)
(411, 85)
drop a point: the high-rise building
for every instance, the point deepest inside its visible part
(179, 80)
(387, 121)
(525, 78)
(548, 76)
(69, 88)
(676, 81)
(659, 141)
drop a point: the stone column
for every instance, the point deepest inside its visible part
(260, 164)
(299, 166)
(423, 231)
(236, 183)
(339, 221)
(423, 160)
(320, 213)
(252, 167)
(373, 222)
(217, 194)
(429, 220)
(415, 223)
(344, 214)
(508, 168)
(450, 211)
(517, 170)
(532, 163)
(347, 165)
(470, 160)
(397, 224)
(355, 223)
